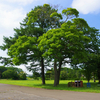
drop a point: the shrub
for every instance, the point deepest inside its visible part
(10, 74)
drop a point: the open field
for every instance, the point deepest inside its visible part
(49, 85)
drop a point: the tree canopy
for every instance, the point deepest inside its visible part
(46, 35)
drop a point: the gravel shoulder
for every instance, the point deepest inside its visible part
(12, 92)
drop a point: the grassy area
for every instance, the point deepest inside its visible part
(49, 85)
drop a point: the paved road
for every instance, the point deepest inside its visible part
(11, 92)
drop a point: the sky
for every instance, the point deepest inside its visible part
(12, 12)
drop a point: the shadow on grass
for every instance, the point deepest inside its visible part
(49, 85)
(94, 88)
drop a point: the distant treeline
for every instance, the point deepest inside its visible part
(12, 73)
(66, 74)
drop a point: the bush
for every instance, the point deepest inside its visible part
(22, 76)
(63, 75)
(10, 74)
(36, 75)
(49, 75)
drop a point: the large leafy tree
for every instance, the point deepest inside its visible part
(22, 48)
(94, 50)
(91, 65)
(66, 42)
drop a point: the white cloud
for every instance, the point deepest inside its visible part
(24, 69)
(21, 2)
(10, 17)
(86, 6)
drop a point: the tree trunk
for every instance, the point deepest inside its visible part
(98, 72)
(60, 63)
(56, 74)
(88, 81)
(0, 75)
(94, 77)
(42, 71)
(99, 76)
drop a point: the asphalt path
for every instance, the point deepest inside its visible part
(12, 92)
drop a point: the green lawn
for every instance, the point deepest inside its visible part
(49, 85)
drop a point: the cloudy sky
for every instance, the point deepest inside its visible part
(12, 12)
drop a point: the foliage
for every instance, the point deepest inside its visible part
(22, 75)
(36, 75)
(44, 37)
(21, 50)
(66, 74)
(49, 75)
(6, 61)
(22, 47)
(87, 73)
(65, 42)
(71, 40)
(70, 12)
(10, 74)
(2, 69)
(91, 65)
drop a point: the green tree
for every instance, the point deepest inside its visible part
(95, 65)
(91, 65)
(87, 72)
(65, 42)
(94, 57)
(24, 42)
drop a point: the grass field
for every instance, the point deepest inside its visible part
(49, 85)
